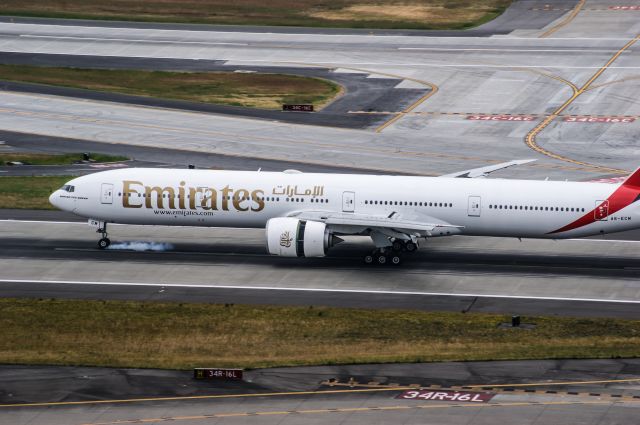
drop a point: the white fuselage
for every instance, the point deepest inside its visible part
(488, 207)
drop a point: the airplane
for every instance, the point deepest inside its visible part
(305, 214)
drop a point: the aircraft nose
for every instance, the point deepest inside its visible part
(54, 199)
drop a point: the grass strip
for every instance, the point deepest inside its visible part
(253, 90)
(411, 14)
(53, 159)
(29, 192)
(177, 336)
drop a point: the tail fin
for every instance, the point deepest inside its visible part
(633, 179)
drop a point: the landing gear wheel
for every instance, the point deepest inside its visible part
(397, 246)
(410, 246)
(382, 259)
(395, 259)
(368, 259)
(104, 243)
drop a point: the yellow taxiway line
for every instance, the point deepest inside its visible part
(302, 393)
(530, 138)
(407, 110)
(566, 21)
(354, 410)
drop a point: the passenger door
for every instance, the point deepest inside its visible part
(474, 207)
(348, 201)
(107, 193)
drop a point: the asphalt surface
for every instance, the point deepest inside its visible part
(526, 392)
(139, 157)
(42, 384)
(361, 93)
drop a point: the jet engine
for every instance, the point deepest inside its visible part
(291, 237)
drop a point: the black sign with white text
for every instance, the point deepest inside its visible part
(297, 108)
(216, 373)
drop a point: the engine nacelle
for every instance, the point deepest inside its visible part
(291, 237)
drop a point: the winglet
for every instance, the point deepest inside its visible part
(633, 179)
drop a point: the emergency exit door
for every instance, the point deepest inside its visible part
(107, 193)
(474, 206)
(348, 201)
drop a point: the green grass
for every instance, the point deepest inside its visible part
(53, 159)
(29, 192)
(254, 90)
(412, 14)
(173, 335)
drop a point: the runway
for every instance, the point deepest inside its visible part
(57, 259)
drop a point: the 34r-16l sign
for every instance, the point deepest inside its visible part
(216, 373)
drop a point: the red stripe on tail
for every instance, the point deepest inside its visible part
(627, 193)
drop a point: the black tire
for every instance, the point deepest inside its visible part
(368, 259)
(104, 243)
(382, 259)
(410, 247)
(397, 246)
(395, 260)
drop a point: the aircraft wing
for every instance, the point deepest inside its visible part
(484, 171)
(394, 223)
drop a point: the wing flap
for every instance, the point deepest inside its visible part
(393, 221)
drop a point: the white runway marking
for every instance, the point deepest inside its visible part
(236, 61)
(602, 240)
(323, 290)
(11, 220)
(134, 40)
(480, 49)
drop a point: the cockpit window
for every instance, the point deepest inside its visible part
(68, 188)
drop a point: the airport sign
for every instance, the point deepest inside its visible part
(297, 108)
(217, 373)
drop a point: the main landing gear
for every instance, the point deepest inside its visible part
(390, 254)
(104, 242)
